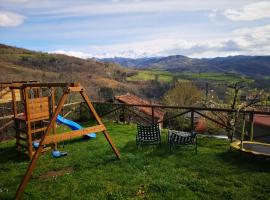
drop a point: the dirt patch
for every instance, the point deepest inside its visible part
(57, 173)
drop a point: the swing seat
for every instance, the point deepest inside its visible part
(91, 135)
(35, 144)
(58, 154)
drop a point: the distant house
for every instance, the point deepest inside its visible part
(262, 128)
(144, 112)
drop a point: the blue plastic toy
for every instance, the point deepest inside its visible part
(58, 154)
(73, 125)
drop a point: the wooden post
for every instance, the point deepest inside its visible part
(15, 112)
(243, 132)
(192, 120)
(251, 126)
(98, 120)
(53, 110)
(28, 122)
(14, 103)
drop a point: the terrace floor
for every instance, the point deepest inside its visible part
(90, 171)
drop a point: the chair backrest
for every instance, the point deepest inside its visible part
(148, 132)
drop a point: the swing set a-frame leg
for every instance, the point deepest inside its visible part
(98, 120)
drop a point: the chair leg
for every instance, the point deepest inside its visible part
(170, 147)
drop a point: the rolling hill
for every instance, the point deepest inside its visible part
(22, 64)
(255, 66)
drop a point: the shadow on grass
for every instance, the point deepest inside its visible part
(245, 161)
(161, 151)
(10, 153)
(75, 140)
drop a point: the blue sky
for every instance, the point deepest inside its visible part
(138, 28)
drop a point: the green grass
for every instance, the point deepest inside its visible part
(146, 75)
(90, 171)
(165, 76)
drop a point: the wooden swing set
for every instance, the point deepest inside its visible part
(39, 115)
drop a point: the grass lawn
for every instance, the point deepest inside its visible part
(90, 171)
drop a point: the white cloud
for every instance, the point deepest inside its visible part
(245, 41)
(88, 8)
(74, 53)
(10, 19)
(249, 12)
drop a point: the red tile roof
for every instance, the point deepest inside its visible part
(132, 99)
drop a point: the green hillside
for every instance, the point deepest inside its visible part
(23, 64)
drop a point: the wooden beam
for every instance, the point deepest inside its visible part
(73, 134)
(105, 132)
(76, 89)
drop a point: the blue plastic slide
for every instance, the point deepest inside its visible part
(73, 125)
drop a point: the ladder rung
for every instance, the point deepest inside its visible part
(38, 130)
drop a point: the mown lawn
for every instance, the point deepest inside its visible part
(90, 171)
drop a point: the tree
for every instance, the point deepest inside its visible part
(183, 94)
(234, 101)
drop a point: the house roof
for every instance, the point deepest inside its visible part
(133, 99)
(263, 120)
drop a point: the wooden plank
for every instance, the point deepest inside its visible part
(38, 130)
(14, 103)
(73, 134)
(25, 85)
(38, 108)
(28, 123)
(76, 89)
(39, 116)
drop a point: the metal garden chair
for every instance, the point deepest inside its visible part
(177, 138)
(148, 135)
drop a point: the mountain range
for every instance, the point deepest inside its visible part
(255, 66)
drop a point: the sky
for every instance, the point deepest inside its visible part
(138, 28)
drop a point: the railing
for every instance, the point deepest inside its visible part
(192, 111)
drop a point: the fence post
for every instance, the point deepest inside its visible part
(251, 126)
(153, 115)
(192, 120)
